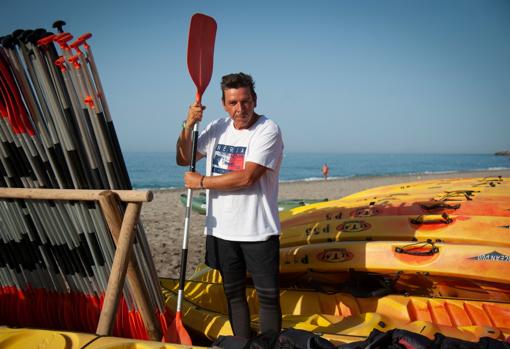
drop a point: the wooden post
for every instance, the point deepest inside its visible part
(110, 208)
(119, 268)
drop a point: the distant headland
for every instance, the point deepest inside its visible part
(503, 153)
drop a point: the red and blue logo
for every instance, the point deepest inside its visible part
(228, 158)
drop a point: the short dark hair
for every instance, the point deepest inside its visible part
(236, 81)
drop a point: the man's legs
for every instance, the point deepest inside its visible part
(262, 260)
(269, 302)
(238, 311)
(233, 272)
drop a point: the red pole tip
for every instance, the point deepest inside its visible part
(85, 36)
(63, 39)
(46, 40)
(74, 60)
(89, 101)
(76, 44)
(60, 63)
(82, 40)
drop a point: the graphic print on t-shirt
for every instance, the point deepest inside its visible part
(228, 158)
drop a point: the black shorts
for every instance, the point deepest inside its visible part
(260, 257)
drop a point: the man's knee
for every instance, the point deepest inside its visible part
(235, 289)
(269, 297)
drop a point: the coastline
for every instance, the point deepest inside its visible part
(163, 218)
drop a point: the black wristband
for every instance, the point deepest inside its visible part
(202, 182)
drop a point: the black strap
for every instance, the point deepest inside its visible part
(92, 341)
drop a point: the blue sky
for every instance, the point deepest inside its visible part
(338, 76)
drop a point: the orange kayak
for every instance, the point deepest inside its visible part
(476, 262)
(481, 230)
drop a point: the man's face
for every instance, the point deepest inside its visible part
(240, 105)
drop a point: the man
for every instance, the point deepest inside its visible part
(325, 171)
(244, 153)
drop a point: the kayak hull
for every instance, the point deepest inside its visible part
(24, 338)
(343, 318)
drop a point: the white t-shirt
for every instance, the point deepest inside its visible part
(249, 214)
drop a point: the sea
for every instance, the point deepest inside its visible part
(157, 170)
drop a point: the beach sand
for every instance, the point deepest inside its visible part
(163, 218)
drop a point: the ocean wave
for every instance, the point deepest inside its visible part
(436, 172)
(394, 174)
(311, 179)
(498, 168)
(156, 188)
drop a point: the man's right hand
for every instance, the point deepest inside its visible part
(184, 142)
(195, 113)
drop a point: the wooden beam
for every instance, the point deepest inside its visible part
(73, 194)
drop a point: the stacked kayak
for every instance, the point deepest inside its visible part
(198, 203)
(285, 205)
(429, 257)
(342, 317)
(11, 338)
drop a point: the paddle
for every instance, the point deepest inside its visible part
(202, 34)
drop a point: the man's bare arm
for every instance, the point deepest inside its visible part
(230, 181)
(183, 147)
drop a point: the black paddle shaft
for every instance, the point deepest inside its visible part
(192, 165)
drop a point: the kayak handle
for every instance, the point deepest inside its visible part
(432, 219)
(466, 194)
(438, 205)
(418, 249)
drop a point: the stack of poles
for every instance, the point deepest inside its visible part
(56, 132)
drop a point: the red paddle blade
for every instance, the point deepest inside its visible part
(176, 333)
(202, 33)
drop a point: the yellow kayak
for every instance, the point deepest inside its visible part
(476, 262)
(24, 338)
(343, 318)
(430, 193)
(480, 230)
(476, 185)
(341, 209)
(414, 212)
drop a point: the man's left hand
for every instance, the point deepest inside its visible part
(192, 180)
